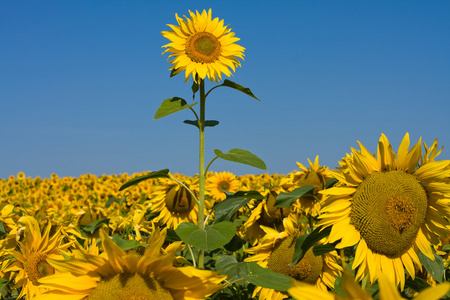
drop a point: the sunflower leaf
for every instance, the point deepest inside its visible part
(170, 106)
(418, 284)
(330, 182)
(238, 87)
(92, 227)
(286, 199)
(210, 238)
(208, 123)
(243, 157)
(157, 174)
(226, 209)
(267, 278)
(434, 268)
(322, 249)
(304, 242)
(228, 265)
(126, 245)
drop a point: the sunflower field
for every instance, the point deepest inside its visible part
(375, 227)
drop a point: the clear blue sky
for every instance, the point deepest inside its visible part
(80, 82)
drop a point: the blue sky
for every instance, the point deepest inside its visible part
(80, 82)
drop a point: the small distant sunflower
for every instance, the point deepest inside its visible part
(276, 252)
(32, 261)
(122, 275)
(203, 47)
(174, 203)
(316, 176)
(221, 181)
(389, 206)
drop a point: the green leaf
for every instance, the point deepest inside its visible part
(418, 284)
(330, 182)
(208, 123)
(267, 278)
(92, 227)
(126, 245)
(286, 199)
(226, 209)
(304, 242)
(434, 268)
(243, 157)
(238, 87)
(172, 236)
(173, 72)
(235, 244)
(446, 247)
(112, 200)
(170, 106)
(161, 173)
(325, 248)
(2, 230)
(210, 238)
(228, 265)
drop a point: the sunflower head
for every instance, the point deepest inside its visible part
(203, 47)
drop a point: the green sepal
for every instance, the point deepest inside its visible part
(157, 174)
(195, 87)
(92, 227)
(304, 242)
(286, 199)
(211, 238)
(243, 157)
(208, 123)
(173, 72)
(170, 106)
(238, 87)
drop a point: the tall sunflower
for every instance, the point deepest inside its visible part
(203, 47)
(276, 251)
(36, 248)
(122, 275)
(389, 206)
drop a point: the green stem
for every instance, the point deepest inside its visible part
(201, 174)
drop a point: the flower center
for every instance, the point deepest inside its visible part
(307, 270)
(224, 185)
(179, 200)
(37, 267)
(388, 210)
(203, 47)
(129, 286)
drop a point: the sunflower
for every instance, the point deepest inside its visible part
(389, 206)
(276, 251)
(316, 176)
(221, 181)
(120, 275)
(174, 203)
(32, 262)
(352, 291)
(202, 47)
(265, 213)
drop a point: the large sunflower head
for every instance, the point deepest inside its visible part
(174, 203)
(276, 251)
(390, 206)
(203, 47)
(120, 275)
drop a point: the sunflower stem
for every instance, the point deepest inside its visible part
(201, 174)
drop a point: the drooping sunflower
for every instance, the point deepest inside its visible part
(353, 291)
(122, 275)
(174, 203)
(36, 248)
(203, 47)
(389, 206)
(276, 251)
(221, 181)
(316, 176)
